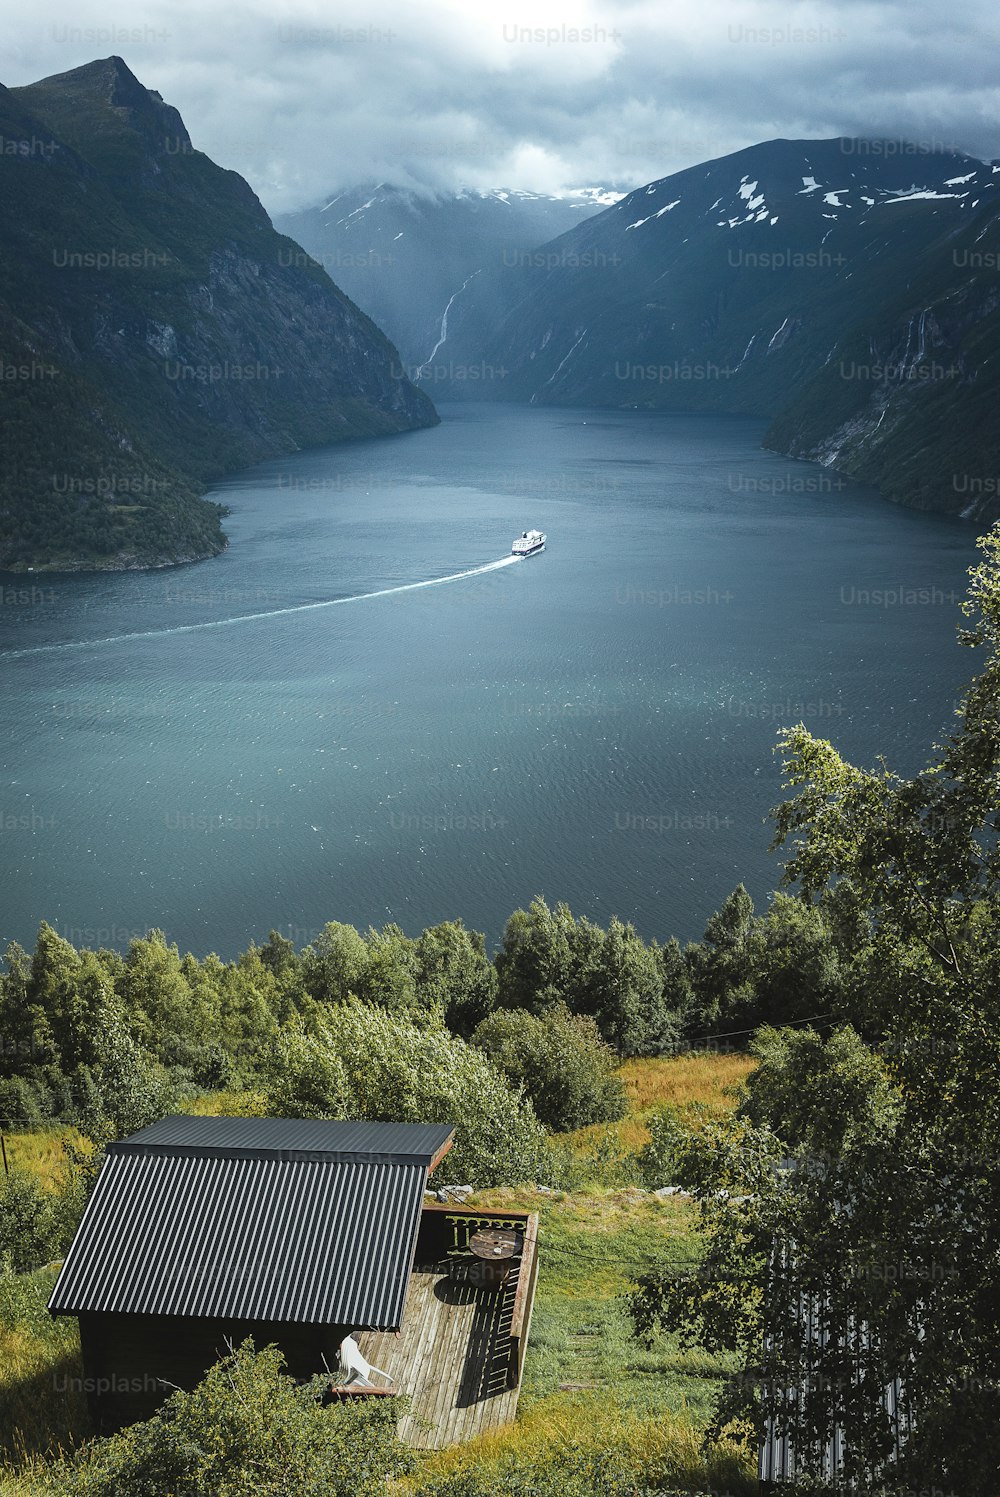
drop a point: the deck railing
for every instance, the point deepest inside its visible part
(524, 1299)
(448, 1229)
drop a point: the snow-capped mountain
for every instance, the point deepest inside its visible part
(734, 285)
(402, 255)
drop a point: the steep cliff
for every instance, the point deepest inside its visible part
(155, 331)
(909, 399)
(403, 255)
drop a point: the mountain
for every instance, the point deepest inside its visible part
(909, 400)
(402, 255)
(155, 332)
(781, 281)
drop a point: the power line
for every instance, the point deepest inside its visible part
(729, 1033)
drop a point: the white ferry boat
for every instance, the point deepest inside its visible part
(528, 543)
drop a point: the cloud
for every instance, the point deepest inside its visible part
(303, 99)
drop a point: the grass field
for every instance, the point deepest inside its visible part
(42, 1154)
(593, 1247)
(42, 1405)
(703, 1079)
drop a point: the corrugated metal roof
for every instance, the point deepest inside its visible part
(289, 1136)
(248, 1222)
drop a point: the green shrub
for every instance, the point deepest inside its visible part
(29, 1227)
(24, 1102)
(660, 1159)
(561, 1062)
(247, 1430)
(600, 1159)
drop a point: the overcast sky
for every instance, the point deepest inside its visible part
(303, 97)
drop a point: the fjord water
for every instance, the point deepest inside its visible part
(595, 723)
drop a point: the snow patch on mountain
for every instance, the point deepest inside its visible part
(909, 197)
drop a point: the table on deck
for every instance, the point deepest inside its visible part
(497, 1250)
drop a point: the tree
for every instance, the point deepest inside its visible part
(794, 966)
(361, 1061)
(309, 1079)
(17, 1019)
(124, 1090)
(547, 957)
(333, 967)
(455, 976)
(821, 1096)
(560, 1061)
(897, 1230)
(390, 976)
(158, 1002)
(629, 1002)
(535, 960)
(278, 953)
(720, 965)
(678, 993)
(51, 994)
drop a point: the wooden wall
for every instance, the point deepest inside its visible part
(133, 1362)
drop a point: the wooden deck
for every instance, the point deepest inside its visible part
(455, 1358)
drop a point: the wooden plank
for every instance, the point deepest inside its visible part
(525, 1302)
(452, 1357)
(528, 1256)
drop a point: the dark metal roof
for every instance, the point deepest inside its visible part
(254, 1219)
(289, 1137)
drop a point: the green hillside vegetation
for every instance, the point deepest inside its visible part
(644, 1407)
(151, 339)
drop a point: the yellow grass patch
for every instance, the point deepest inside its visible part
(647, 1444)
(705, 1078)
(228, 1105)
(42, 1154)
(683, 1079)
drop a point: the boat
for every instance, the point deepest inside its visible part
(527, 543)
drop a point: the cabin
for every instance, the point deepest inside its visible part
(781, 1465)
(202, 1231)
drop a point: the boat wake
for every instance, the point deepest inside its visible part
(271, 613)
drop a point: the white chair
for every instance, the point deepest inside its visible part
(354, 1366)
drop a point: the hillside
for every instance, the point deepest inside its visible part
(909, 400)
(154, 332)
(596, 1240)
(402, 255)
